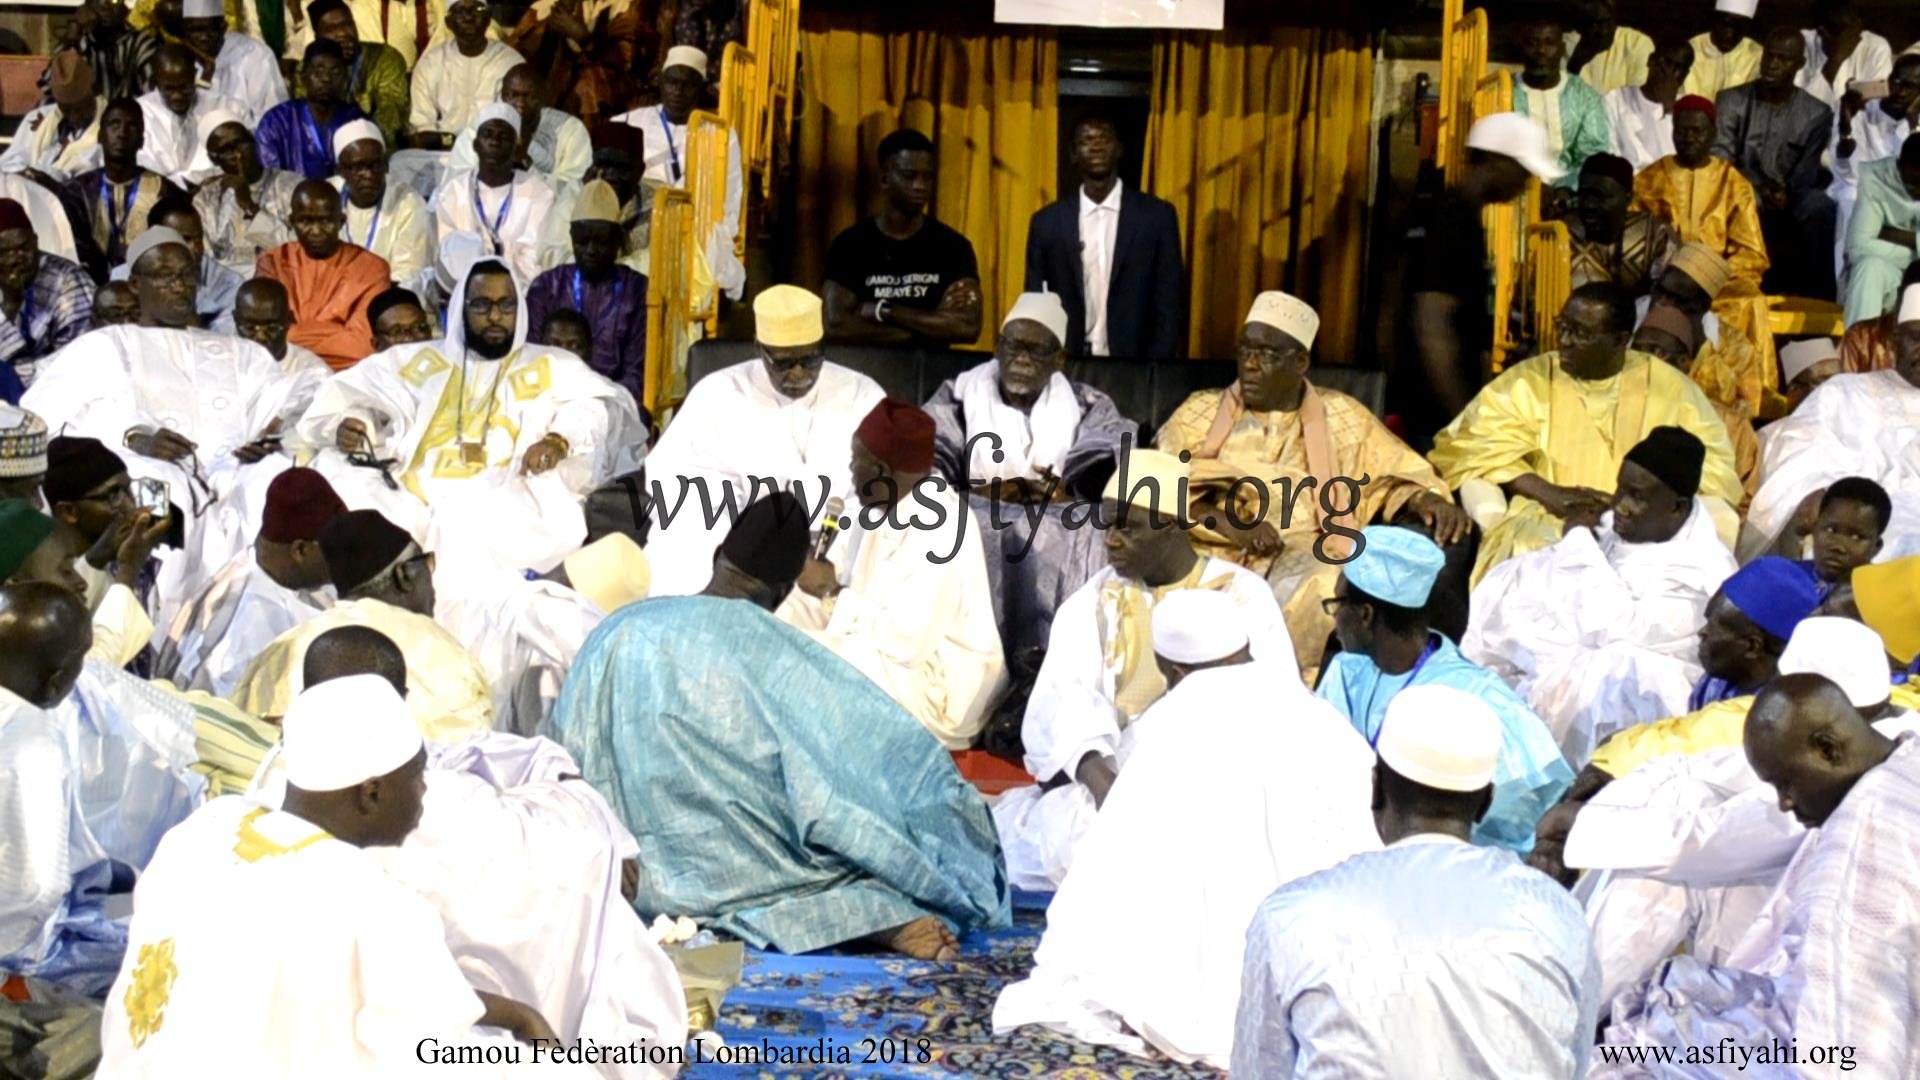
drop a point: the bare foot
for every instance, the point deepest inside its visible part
(925, 938)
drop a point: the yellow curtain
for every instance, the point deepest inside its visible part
(985, 97)
(1260, 142)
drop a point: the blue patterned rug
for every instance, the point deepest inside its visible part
(892, 1017)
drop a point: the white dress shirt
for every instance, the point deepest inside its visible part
(1099, 228)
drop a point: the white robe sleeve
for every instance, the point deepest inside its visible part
(1070, 713)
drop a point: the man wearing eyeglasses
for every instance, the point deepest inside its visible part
(786, 419)
(198, 411)
(1025, 439)
(1298, 440)
(384, 579)
(478, 418)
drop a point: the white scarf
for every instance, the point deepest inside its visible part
(1029, 441)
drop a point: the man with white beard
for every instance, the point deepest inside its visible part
(1624, 650)
(1865, 424)
(1218, 804)
(786, 418)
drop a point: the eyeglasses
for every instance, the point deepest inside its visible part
(1331, 605)
(480, 307)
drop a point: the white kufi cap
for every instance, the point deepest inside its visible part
(688, 57)
(499, 110)
(1801, 355)
(1738, 7)
(1441, 737)
(346, 731)
(1847, 652)
(1290, 315)
(357, 130)
(1910, 305)
(157, 236)
(1197, 626)
(1043, 308)
(203, 9)
(1518, 138)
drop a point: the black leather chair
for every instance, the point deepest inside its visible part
(1146, 390)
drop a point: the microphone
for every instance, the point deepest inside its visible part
(829, 527)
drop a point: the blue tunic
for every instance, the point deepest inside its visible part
(1531, 776)
(291, 139)
(775, 791)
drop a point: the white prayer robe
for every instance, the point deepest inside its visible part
(234, 616)
(514, 222)
(36, 144)
(560, 149)
(215, 389)
(736, 428)
(1072, 713)
(450, 89)
(398, 230)
(1642, 130)
(247, 72)
(1432, 958)
(237, 239)
(524, 868)
(1684, 853)
(1865, 424)
(132, 754)
(44, 842)
(915, 613)
(342, 970)
(1623, 650)
(1219, 804)
(409, 398)
(172, 140)
(524, 634)
(1871, 61)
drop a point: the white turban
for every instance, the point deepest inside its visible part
(355, 131)
(346, 731)
(1846, 652)
(499, 110)
(156, 236)
(1198, 626)
(1290, 315)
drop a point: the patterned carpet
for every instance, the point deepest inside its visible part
(876, 1006)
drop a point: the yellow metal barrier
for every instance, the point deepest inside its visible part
(708, 145)
(1464, 77)
(1550, 255)
(773, 37)
(669, 310)
(743, 103)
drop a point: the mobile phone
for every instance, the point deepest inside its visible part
(1870, 91)
(152, 497)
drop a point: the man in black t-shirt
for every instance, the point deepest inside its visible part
(1449, 276)
(902, 277)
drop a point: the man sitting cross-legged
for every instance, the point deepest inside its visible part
(1099, 675)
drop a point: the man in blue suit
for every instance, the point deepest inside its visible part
(1113, 254)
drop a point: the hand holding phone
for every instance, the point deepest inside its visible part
(152, 496)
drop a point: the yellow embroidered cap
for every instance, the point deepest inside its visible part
(612, 572)
(787, 316)
(1152, 481)
(346, 731)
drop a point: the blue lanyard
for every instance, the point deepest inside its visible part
(667, 130)
(117, 230)
(579, 294)
(372, 229)
(493, 231)
(1433, 646)
(320, 142)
